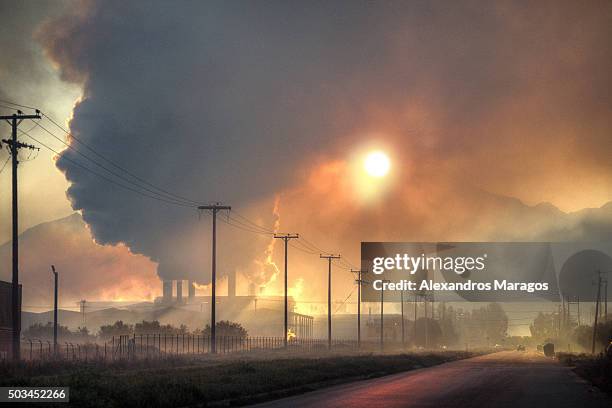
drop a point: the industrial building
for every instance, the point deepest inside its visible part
(261, 315)
(6, 318)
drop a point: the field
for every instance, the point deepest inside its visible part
(235, 380)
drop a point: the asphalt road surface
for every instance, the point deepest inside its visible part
(506, 379)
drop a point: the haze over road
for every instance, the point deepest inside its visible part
(505, 379)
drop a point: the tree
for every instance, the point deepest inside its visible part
(488, 324)
(147, 327)
(543, 327)
(447, 324)
(116, 329)
(583, 335)
(226, 328)
(428, 332)
(45, 332)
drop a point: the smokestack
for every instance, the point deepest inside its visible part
(191, 289)
(231, 284)
(167, 291)
(179, 291)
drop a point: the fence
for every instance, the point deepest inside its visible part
(143, 346)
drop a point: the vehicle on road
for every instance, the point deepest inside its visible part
(549, 349)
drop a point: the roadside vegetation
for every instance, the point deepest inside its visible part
(596, 369)
(201, 382)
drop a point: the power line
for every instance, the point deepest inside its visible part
(345, 300)
(168, 196)
(251, 222)
(163, 193)
(18, 105)
(154, 192)
(104, 177)
(302, 249)
(4, 165)
(73, 137)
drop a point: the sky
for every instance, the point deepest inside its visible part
(496, 117)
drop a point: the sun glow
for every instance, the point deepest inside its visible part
(377, 164)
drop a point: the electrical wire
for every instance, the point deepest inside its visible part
(18, 105)
(4, 165)
(104, 177)
(151, 190)
(345, 300)
(114, 173)
(160, 191)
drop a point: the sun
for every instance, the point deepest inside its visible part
(377, 164)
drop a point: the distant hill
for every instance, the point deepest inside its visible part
(87, 270)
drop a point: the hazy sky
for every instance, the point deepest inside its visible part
(486, 109)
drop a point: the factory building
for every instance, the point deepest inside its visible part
(262, 310)
(6, 318)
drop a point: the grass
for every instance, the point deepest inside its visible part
(596, 369)
(225, 381)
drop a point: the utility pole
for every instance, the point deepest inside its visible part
(573, 301)
(83, 304)
(402, 308)
(286, 238)
(55, 293)
(596, 311)
(416, 303)
(359, 281)
(606, 298)
(14, 120)
(382, 315)
(426, 322)
(215, 208)
(329, 312)
(578, 302)
(559, 320)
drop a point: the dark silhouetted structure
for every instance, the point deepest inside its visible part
(6, 318)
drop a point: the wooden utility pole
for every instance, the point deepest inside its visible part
(286, 238)
(596, 311)
(402, 308)
(606, 299)
(578, 303)
(573, 301)
(416, 303)
(359, 281)
(214, 208)
(83, 305)
(382, 316)
(14, 120)
(55, 294)
(329, 309)
(426, 321)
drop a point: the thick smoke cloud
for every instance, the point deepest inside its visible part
(237, 102)
(87, 271)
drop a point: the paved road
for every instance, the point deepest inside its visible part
(505, 379)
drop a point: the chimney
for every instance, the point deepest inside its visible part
(251, 289)
(167, 291)
(179, 291)
(191, 289)
(231, 284)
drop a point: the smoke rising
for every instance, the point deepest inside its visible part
(238, 102)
